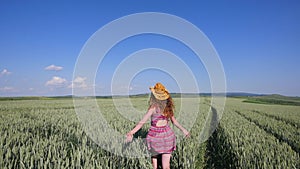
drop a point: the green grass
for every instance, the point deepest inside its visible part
(274, 99)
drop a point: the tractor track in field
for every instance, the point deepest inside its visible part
(219, 153)
(280, 137)
(297, 125)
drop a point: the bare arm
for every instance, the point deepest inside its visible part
(175, 122)
(140, 124)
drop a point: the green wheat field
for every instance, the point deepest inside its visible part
(253, 132)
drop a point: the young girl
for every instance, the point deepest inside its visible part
(160, 139)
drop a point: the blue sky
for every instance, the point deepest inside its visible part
(257, 42)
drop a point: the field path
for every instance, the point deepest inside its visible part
(218, 152)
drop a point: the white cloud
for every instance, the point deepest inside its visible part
(56, 81)
(5, 72)
(7, 89)
(79, 82)
(53, 67)
(79, 79)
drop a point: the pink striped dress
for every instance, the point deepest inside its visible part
(161, 139)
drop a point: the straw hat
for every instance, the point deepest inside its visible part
(160, 92)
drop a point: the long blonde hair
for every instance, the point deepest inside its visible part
(166, 105)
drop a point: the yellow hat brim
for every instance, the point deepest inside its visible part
(160, 96)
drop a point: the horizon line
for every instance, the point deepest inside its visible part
(139, 94)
